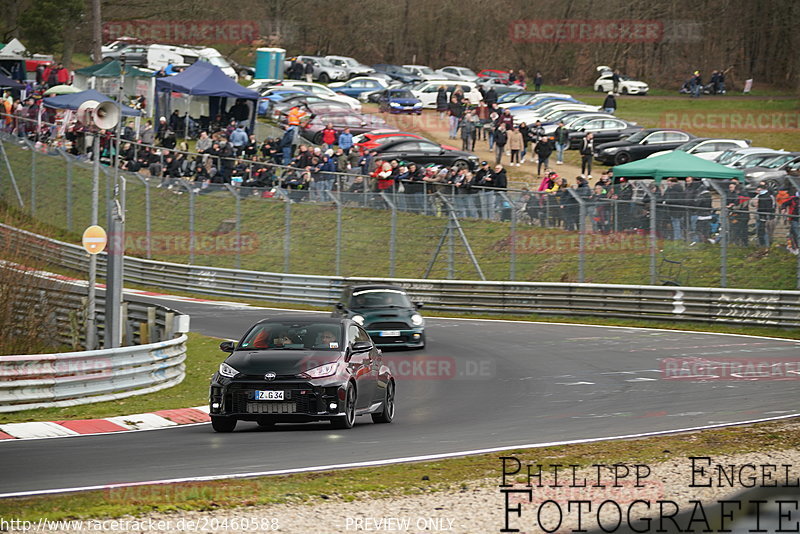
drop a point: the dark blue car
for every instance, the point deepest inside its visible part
(399, 101)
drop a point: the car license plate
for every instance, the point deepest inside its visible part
(269, 395)
(390, 333)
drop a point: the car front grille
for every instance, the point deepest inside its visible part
(299, 398)
(388, 325)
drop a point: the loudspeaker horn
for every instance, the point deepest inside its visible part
(85, 110)
(106, 115)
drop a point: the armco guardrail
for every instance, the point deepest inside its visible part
(69, 378)
(732, 306)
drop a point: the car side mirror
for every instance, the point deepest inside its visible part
(419, 305)
(644, 142)
(361, 346)
(227, 346)
(339, 306)
(441, 152)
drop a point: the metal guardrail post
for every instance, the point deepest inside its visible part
(147, 222)
(338, 230)
(723, 232)
(581, 235)
(392, 233)
(188, 188)
(237, 198)
(287, 235)
(512, 269)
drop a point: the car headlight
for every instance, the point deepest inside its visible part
(609, 150)
(227, 371)
(417, 320)
(323, 370)
(418, 105)
(394, 104)
(358, 319)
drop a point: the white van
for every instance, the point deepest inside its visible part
(159, 56)
(426, 91)
(213, 56)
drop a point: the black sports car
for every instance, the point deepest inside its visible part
(640, 145)
(297, 369)
(424, 152)
(386, 312)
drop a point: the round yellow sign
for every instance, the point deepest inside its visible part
(94, 239)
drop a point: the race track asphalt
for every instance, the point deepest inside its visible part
(478, 384)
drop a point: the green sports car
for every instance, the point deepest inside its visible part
(387, 314)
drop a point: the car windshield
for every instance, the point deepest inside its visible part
(777, 161)
(467, 72)
(638, 136)
(350, 62)
(388, 139)
(324, 62)
(296, 335)
(379, 298)
(729, 156)
(400, 94)
(752, 160)
(686, 147)
(401, 70)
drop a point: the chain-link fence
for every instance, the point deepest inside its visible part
(344, 225)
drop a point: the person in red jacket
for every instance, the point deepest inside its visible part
(62, 75)
(329, 136)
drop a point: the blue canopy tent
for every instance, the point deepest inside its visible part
(6, 82)
(73, 102)
(207, 80)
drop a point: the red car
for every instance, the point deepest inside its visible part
(376, 138)
(497, 76)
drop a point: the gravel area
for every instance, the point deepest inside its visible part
(478, 506)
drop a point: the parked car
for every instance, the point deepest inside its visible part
(135, 54)
(324, 70)
(732, 155)
(572, 119)
(358, 124)
(707, 148)
(312, 103)
(376, 138)
(755, 159)
(605, 130)
(322, 91)
(462, 73)
(530, 98)
(627, 85)
(350, 66)
(356, 86)
(270, 97)
(425, 73)
(775, 171)
(497, 76)
(397, 72)
(424, 152)
(386, 312)
(640, 145)
(427, 91)
(400, 101)
(530, 116)
(296, 369)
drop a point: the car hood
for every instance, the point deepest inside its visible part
(620, 143)
(372, 315)
(279, 361)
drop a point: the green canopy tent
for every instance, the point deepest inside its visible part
(111, 69)
(678, 164)
(105, 77)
